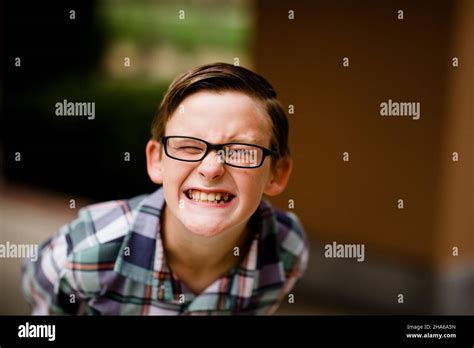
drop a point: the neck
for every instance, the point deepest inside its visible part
(197, 252)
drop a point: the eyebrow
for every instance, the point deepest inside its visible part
(234, 139)
(240, 140)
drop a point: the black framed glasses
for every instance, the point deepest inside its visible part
(240, 155)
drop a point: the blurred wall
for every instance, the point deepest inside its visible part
(455, 214)
(391, 158)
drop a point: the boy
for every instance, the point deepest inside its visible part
(205, 242)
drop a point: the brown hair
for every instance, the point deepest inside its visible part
(221, 77)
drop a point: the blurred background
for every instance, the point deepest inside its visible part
(123, 54)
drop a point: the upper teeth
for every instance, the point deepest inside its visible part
(220, 197)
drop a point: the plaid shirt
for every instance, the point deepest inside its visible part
(110, 261)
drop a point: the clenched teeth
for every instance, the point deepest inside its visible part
(218, 197)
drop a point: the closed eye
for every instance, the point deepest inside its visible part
(189, 147)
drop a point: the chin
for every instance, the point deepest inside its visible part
(205, 231)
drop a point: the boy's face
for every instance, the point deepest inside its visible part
(216, 118)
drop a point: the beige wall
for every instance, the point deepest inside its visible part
(455, 214)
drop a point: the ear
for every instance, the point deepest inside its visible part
(279, 177)
(153, 161)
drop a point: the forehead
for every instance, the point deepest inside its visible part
(221, 117)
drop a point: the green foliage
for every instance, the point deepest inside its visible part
(218, 24)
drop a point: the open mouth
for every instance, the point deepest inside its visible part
(209, 197)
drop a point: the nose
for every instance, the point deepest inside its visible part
(211, 168)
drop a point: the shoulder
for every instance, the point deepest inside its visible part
(93, 242)
(283, 255)
(73, 260)
(101, 223)
(292, 241)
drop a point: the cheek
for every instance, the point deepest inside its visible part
(252, 184)
(174, 174)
